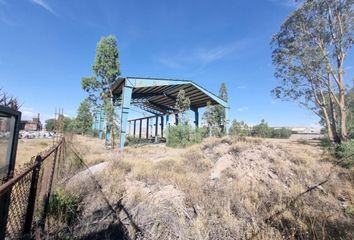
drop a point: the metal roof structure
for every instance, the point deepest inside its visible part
(158, 96)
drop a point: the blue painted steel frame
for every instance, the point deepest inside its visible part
(126, 99)
(133, 82)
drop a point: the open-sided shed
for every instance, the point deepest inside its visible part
(158, 96)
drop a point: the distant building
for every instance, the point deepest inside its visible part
(34, 125)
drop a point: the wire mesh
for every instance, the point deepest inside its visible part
(18, 207)
(20, 194)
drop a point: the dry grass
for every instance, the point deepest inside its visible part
(221, 189)
(27, 148)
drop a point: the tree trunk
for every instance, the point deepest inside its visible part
(329, 126)
(342, 107)
(333, 120)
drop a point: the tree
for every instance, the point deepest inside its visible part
(239, 129)
(209, 117)
(8, 101)
(309, 54)
(50, 124)
(220, 116)
(106, 70)
(350, 100)
(182, 103)
(84, 118)
(262, 130)
(215, 116)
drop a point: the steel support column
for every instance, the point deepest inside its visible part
(140, 125)
(161, 126)
(134, 128)
(147, 128)
(196, 117)
(126, 99)
(156, 127)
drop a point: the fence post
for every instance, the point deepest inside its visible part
(47, 195)
(32, 199)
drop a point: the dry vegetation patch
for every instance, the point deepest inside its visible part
(220, 189)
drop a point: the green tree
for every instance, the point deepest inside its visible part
(239, 129)
(220, 116)
(209, 117)
(262, 130)
(84, 118)
(350, 100)
(50, 124)
(182, 104)
(309, 53)
(215, 116)
(106, 70)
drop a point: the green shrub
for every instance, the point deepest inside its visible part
(240, 129)
(345, 153)
(281, 133)
(184, 135)
(262, 130)
(64, 207)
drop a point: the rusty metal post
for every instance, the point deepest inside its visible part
(32, 199)
(47, 195)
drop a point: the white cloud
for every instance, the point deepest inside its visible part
(45, 5)
(241, 109)
(203, 55)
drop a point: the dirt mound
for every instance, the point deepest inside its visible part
(220, 189)
(159, 211)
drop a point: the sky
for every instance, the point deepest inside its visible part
(47, 46)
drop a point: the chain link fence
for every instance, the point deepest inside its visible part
(29, 192)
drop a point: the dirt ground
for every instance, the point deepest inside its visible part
(223, 188)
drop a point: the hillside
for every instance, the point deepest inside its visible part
(221, 189)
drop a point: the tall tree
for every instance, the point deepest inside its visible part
(182, 104)
(220, 116)
(209, 117)
(106, 70)
(84, 118)
(309, 54)
(215, 116)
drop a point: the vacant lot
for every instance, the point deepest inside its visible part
(221, 189)
(27, 148)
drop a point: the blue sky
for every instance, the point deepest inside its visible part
(46, 46)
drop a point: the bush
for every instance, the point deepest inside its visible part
(345, 153)
(184, 135)
(262, 130)
(281, 133)
(240, 129)
(64, 207)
